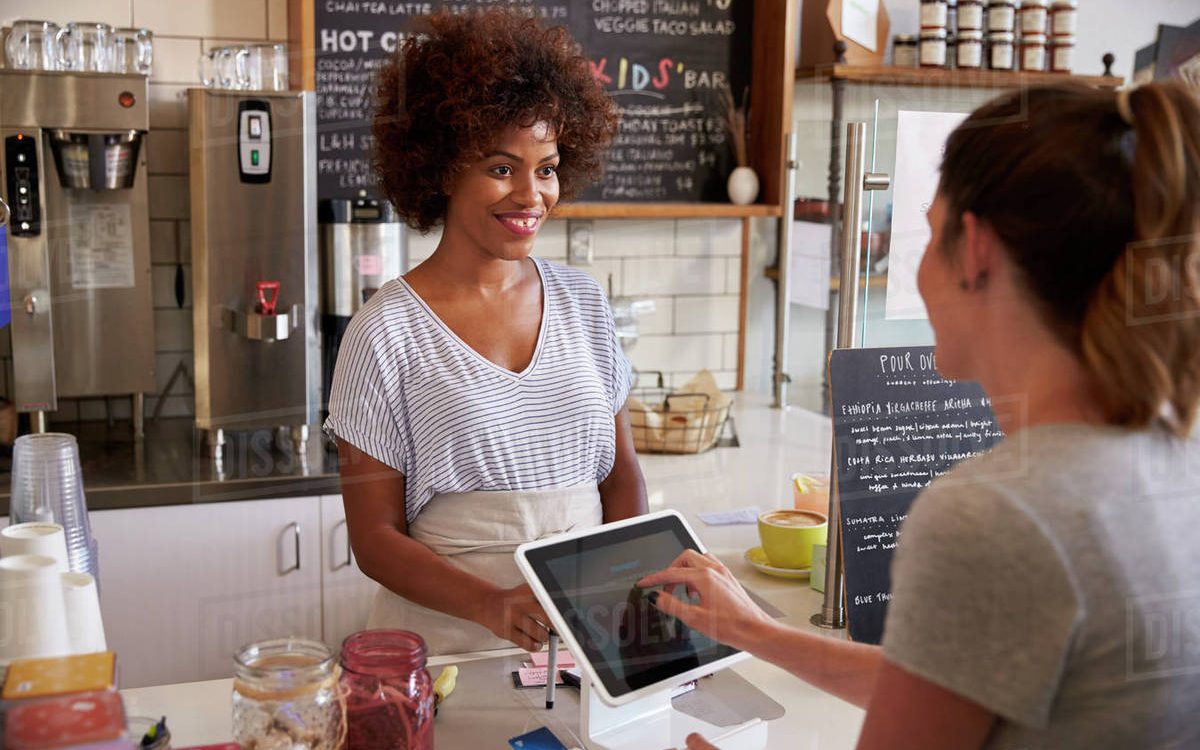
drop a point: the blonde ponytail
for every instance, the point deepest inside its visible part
(1141, 330)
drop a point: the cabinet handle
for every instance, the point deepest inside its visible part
(295, 527)
(349, 552)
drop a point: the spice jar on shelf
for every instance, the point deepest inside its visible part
(970, 49)
(1001, 16)
(1000, 50)
(1033, 16)
(1033, 52)
(970, 15)
(389, 695)
(904, 51)
(934, 14)
(286, 696)
(1064, 15)
(933, 48)
(1062, 54)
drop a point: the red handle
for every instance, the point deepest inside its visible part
(267, 306)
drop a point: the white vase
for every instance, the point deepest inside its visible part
(742, 186)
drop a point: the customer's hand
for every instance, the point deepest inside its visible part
(696, 742)
(515, 614)
(725, 611)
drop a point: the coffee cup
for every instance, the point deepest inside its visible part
(788, 536)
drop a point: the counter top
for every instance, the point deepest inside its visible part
(172, 466)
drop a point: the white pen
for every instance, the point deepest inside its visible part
(551, 669)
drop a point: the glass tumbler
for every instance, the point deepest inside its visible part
(85, 47)
(133, 51)
(32, 45)
(389, 694)
(224, 68)
(267, 67)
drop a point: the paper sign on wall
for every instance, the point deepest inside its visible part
(809, 266)
(859, 21)
(101, 246)
(920, 142)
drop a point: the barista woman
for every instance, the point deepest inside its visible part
(1044, 594)
(478, 401)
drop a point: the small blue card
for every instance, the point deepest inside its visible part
(538, 739)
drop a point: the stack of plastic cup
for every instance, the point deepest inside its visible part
(47, 485)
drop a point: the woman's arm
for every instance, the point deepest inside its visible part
(373, 494)
(623, 491)
(726, 613)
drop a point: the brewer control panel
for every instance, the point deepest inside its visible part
(21, 167)
(254, 141)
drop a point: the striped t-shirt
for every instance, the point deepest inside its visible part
(410, 393)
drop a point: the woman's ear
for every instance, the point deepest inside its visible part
(977, 252)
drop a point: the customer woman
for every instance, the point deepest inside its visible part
(478, 402)
(1045, 594)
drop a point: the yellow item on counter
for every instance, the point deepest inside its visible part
(443, 686)
(62, 675)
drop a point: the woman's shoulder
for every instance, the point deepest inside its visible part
(385, 318)
(572, 281)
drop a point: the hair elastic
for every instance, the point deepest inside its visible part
(1124, 106)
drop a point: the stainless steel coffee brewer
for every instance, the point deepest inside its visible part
(363, 246)
(254, 262)
(74, 176)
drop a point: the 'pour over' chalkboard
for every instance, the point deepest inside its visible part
(897, 425)
(665, 62)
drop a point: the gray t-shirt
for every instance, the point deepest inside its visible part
(1056, 581)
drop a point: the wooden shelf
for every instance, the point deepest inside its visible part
(663, 211)
(887, 75)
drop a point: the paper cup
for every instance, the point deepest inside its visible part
(35, 538)
(33, 617)
(85, 627)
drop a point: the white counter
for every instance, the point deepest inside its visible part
(774, 445)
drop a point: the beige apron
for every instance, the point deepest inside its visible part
(478, 532)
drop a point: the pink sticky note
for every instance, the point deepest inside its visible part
(542, 659)
(535, 677)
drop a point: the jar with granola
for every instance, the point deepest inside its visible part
(286, 696)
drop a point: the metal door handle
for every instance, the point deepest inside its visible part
(295, 527)
(31, 304)
(349, 552)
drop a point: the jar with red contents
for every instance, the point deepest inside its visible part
(389, 694)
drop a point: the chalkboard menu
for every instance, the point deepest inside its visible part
(665, 62)
(897, 424)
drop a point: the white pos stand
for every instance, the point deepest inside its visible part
(652, 722)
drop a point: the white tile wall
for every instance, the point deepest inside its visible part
(689, 267)
(708, 314)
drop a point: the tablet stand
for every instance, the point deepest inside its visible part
(652, 722)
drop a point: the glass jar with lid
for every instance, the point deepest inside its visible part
(934, 14)
(286, 696)
(1064, 15)
(904, 51)
(970, 15)
(933, 48)
(389, 695)
(1062, 54)
(970, 49)
(1033, 52)
(1033, 16)
(1000, 50)
(1001, 15)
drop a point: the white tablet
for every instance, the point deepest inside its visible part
(585, 582)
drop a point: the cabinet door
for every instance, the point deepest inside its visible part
(182, 587)
(347, 590)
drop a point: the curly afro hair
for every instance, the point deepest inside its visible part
(450, 90)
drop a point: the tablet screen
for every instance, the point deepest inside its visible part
(629, 642)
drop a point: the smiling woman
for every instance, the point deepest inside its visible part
(479, 401)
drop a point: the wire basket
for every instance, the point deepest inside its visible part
(664, 422)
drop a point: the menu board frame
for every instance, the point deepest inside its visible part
(772, 72)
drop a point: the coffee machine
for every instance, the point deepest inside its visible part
(254, 263)
(74, 177)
